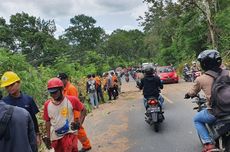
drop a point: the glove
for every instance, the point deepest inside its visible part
(75, 125)
(47, 142)
(187, 96)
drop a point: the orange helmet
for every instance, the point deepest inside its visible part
(54, 84)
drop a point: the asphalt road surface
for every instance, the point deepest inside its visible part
(119, 126)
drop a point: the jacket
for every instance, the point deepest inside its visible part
(22, 135)
(204, 83)
(151, 85)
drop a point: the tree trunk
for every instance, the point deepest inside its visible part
(210, 23)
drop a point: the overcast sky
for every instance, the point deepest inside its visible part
(109, 14)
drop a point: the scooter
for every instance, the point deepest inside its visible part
(154, 113)
(188, 76)
(219, 130)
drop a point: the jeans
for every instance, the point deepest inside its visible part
(100, 96)
(160, 99)
(200, 119)
(93, 99)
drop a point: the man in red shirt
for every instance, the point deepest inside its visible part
(61, 127)
(71, 90)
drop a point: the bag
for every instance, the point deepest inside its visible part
(92, 87)
(4, 122)
(63, 130)
(220, 94)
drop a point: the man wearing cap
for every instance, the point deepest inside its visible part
(11, 82)
(61, 126)
(71, 90)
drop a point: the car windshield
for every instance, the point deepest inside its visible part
(165, 69)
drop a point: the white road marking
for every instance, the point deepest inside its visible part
(167, 99)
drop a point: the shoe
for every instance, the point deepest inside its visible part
(84, 150)
(208, 147)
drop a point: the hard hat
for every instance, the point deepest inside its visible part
(9, 78)
(54, 84)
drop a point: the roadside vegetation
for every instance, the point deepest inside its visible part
(173, 33)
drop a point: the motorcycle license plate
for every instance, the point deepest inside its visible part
(155, 109)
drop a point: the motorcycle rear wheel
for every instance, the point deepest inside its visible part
(156, 126)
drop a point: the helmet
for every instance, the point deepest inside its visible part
(9, 78)
(149, 70)
(54, 84)
(193, 62)
(209, 59)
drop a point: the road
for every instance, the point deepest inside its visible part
(120, 127)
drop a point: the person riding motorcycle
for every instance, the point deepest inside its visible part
(151, 85)
(194, 67)
(186, 69)
(209, 60)
(195, 70)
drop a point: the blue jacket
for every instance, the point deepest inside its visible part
(22, 137)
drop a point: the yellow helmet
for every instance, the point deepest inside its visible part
(9, 78)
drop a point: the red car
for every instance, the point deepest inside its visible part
(167, 74)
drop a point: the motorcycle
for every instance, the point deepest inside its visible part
(127, 78)
(219, 130)
(154, 113)
(188, 76)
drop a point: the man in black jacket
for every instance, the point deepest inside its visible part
(151, 85)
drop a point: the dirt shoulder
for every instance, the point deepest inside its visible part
(105, 125)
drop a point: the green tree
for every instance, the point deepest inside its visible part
(83, 35)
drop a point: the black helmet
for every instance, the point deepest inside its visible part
(149, 70)
(209, 59)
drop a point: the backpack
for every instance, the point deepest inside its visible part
(4, 122)
(220, 93)
(92, 87)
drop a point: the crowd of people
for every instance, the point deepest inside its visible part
(63, 113)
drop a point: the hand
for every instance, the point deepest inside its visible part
(38, 140)
(75, 125)
(187, 96)
(47, 142)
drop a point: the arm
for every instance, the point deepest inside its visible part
(46, 139)
(77, 106)
(48, 126)
(194, 90)
(160, 83)
(82, 116)
(35, 121)
(32, 135)
(141, 85)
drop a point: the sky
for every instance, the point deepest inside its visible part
(109, 14)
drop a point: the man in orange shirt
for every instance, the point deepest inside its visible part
(100, 95)
(71, 90)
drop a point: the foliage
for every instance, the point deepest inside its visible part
(177, 31)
